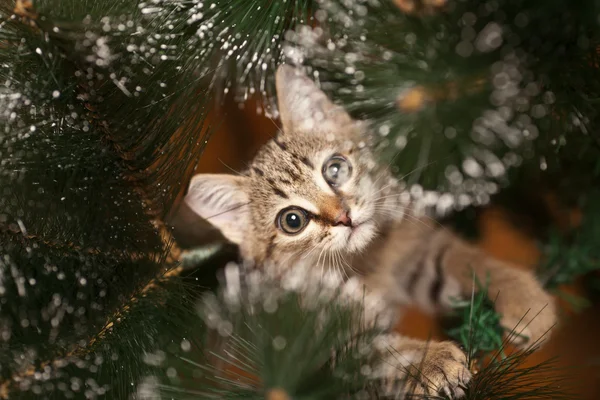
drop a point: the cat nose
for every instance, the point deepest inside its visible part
(343, 219)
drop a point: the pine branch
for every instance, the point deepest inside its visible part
(478, 324)
(571, 257)
(105, 70)
(272, 339)
(56, 300)
(460, 96)
(19, 234)
(124, 346)
(510, 378)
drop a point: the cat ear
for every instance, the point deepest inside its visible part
(220, 199)
(303, 107)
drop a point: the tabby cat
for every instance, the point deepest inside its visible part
(315, 194)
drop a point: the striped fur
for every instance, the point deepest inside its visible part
(402, 258)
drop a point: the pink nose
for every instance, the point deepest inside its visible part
(344, 219)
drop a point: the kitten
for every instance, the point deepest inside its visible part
(315, 195)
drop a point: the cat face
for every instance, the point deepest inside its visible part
(312, 193)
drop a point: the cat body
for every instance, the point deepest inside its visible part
(315, 195)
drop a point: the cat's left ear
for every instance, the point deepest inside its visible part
(221, 200)
(303, 107)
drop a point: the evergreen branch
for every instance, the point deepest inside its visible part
(272, 344)
(169, 122)
(60, 348)
(143, 141)
(18, 234)
(149, 302)
(120, 315)
(439, 87)
(172, 252)
(499, 374)
(273, 341)
(509, 378)
(478, 328)
(167, 298)
(568, 258)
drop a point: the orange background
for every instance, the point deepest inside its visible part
(575, 342)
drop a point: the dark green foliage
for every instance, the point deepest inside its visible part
(239, 42)
(568, 258)
(459, 97)
(111, 88)
(123, 353)
(115, 353)
(270, 341)
(54, 296)
(478, 328)
(502, 374)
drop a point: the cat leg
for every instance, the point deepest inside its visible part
(411, 368)
(526, 309)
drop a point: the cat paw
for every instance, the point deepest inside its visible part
(528, 319)
(533, 329)
(442, 371)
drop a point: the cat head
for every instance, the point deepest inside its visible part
(314, 192)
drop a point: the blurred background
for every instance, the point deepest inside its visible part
(499, 231)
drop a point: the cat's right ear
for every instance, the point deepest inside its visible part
(303, 107)
(221, 200)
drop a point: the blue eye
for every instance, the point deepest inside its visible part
(292, 220)
(337, 170)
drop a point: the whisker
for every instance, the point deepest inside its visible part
(340, 262)
(419, 168)
(279, 130)
(386, 197)
(381, 189)
(381, 175)
(345, 262)
(406, 210)
(309, 252)
(400, 214)
(230, 168)
(319, 260)
(237, 206)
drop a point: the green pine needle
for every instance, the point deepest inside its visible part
(452, 109)
(509, 378)
(479, 330)
(570, 257)
(274, 342)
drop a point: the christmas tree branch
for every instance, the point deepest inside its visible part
(159, 310)
(469, 90)
(274, 337)
(568, 257)
(164, 305)
(15, 233)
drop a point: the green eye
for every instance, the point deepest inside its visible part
(337, 170)
(292, 220)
